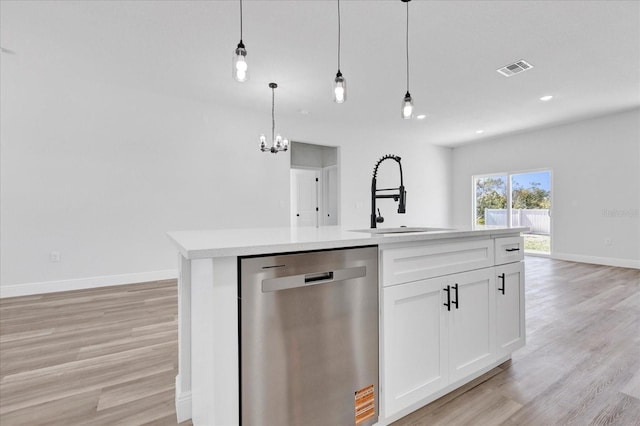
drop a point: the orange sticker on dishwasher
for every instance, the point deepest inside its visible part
(365, 404)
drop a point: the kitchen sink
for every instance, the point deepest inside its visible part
(401, 230)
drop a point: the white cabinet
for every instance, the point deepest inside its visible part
(436, 332)
(471, 322)
(449, 314)
(415, 343)
(510, 325)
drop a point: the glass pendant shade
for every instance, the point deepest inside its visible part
(240, 68)
(339, 89)
(407, 107)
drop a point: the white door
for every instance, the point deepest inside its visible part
(304, 197)
(330, 195)
(415, 343)
(510, 326)
(471, 322)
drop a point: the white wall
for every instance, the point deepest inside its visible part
(596, 172)
(308, 155)
(100, 173)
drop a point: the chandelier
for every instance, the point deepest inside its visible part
(277, 143)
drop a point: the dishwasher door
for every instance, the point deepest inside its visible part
(309, 338)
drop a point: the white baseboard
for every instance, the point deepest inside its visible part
(27, 289)
(183, 403)
(609, 261)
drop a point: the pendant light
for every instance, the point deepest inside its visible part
(240, 70)
(407, 102)
(339, 83)
(277, 143)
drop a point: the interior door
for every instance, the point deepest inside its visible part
(304, 197)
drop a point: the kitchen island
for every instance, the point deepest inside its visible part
(451, 308)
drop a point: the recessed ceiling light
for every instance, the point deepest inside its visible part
(546, 98)
(421, 116)
(479, 131)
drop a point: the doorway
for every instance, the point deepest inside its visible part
(516, 199)
(305, 206)
(314, 185)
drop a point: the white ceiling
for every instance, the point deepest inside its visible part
(585, 53)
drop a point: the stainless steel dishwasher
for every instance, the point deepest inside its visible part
(309, 338)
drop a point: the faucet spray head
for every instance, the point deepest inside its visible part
(402, 205)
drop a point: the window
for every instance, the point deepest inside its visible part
(516, 199)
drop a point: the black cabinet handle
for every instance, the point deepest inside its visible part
(455, 287)
(513, 249)
(448, 304)
(501, 289)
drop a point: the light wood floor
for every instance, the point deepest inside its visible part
(108, 356)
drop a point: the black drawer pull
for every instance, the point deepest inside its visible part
(501, 289)
(448, 304)
(513, 249)
(455, 287)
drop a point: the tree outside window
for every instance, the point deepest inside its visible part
(491, 193)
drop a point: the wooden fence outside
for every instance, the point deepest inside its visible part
(538, 220)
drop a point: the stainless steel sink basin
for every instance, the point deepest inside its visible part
(401, 230)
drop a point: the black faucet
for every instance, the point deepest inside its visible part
(400, 196)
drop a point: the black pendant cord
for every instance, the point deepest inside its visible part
(240, 21)
(273, 114)
(339, 35)
(407, 44)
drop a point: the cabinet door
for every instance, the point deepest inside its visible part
(510, 324)
(415, 349)
(471, 322)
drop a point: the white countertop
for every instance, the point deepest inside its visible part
(200, 244)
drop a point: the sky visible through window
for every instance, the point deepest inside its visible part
(525, 179)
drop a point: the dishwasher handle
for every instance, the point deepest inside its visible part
(322, 276)
(304, 280)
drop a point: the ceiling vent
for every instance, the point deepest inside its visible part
(515, 68)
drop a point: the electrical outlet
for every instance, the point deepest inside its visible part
(54, 256)
(608, 242)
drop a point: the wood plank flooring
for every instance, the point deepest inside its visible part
(92, 357)
(109, 356)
